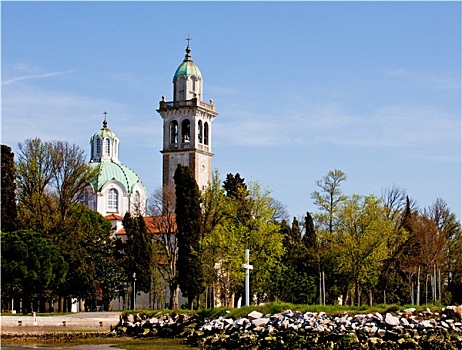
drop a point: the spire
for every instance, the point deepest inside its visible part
(105, 121)
(187, 57)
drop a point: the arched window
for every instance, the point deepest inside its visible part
(84, 198)
(174, 132)
(112, 200)
(185, 130)
(199, 131)
(206, 133)
(98, 146)
(107, 148)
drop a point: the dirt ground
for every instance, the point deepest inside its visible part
(96, 321)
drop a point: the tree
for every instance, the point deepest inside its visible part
(91, 254)
(51, 178)
(188, 219)
(361, 242)
(162, 210)
(330, 198)
(139, 251)
(9, 216)
(296, 283)
(32, 267)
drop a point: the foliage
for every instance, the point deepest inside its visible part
(90, 252)
(32, 266)
(361, 241)
(9, 212)
(188, 219)
(162, 210)
(139, 251)
(51, 178)
(329, 199)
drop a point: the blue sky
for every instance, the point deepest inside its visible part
(371, 88)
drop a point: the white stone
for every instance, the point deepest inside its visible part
(391, 320)
(254, 315)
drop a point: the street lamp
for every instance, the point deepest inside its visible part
(134, 290)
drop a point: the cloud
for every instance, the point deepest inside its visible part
(429, 79)
(393, 126)
(34, 76)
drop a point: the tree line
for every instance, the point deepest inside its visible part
(353, 249)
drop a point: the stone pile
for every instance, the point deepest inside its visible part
(406, 329)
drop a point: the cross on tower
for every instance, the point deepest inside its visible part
(189, 39)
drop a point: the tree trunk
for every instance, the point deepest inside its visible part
(173, 297)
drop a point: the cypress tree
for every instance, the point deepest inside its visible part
(9, 211)
(188, 219)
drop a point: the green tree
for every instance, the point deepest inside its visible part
(188, 219)
(51, 178)
(91, 253)
(32, 267)
(297, 285)
(361, 242)
(9, 216)
(329, 199)
(139, 251)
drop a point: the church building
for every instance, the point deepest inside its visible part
(117, 189)
(187, 132)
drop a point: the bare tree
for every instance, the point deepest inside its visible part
(161, 208)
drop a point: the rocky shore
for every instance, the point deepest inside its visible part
(407, 329)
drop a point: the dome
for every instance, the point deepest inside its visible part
(109, 171)
(104, 132)
(187, 67)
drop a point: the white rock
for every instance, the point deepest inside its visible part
(260, 321)
(391, 320)
(254, 315)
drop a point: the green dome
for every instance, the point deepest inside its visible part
(187, 67)
(114, 171)
(104, 132)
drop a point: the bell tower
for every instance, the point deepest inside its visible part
(187, 132)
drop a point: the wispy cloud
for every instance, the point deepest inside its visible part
(393, 126)
(34, 76)
(429, 79)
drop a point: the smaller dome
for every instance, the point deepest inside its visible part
(104, 132)
(115, 171)
(187, 67)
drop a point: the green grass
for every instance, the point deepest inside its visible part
(278, 307)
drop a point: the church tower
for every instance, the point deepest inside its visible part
(187, 135)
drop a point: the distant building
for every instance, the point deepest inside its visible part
(117, 189)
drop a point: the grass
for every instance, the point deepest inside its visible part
(277, 307)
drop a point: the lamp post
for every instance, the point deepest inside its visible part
(134, 290)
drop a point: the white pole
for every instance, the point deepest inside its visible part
(247, 268)
(134, 291)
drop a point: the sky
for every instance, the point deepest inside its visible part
(301, 88)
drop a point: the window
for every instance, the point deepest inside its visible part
(112, 200)
(98, 146)
(107, 148)
(174, 132)
(206, 133)
(199, 131)
(185, 130)
(84, 198)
